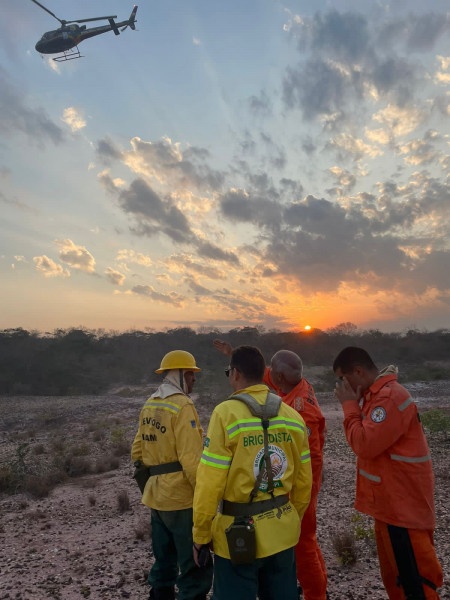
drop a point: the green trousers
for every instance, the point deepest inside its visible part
(174, 563)
(269, 578)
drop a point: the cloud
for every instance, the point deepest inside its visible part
(186, 263)
(148, 291)
(18, 204)
(241, 206)
(15, 115)
(260, 105)
(107, 150)
(196, 288)
(416, 32)
(208, 250)
(343, 178)
(397, 239)
(400, 121)
(165, 161)
(114, 277)
(345, 58)
(78, 257)
(49, 268)
(420, 151)
(153, 213)
(73, 118)
(347, 146)
(131, 256)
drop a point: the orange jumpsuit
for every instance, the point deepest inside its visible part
(395, 485)
(311, 570)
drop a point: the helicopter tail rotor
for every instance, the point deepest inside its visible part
(132, 19)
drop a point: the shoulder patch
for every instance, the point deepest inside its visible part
(299, 404)
(193, 424)
(378, 414)
(206, 442)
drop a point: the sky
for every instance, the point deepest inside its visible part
(259, 163)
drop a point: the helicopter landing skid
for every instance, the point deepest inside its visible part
(69, 55)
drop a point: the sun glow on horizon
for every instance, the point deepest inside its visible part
(307, 328)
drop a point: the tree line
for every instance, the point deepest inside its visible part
(79, 361)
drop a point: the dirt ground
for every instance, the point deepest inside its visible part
(83, 541)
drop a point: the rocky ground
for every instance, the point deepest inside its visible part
(90, 537)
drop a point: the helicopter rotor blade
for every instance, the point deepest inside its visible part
(93, 19)
(49, 11)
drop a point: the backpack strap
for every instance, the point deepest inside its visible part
(265, 412)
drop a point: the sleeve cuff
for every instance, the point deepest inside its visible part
(351, 407)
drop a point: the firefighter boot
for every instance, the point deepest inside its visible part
(162, 593)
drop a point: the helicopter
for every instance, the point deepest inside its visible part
(66, 38)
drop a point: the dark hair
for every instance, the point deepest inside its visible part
(249, 361)
(352, 357)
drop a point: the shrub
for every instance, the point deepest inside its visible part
(119, 441)
(123, 501)
(6, 479)
(143, 530)
(13, 474)
(39, 449)
(38, 486)
(362, 529)
(107, 463)
(81, 450)
(436, 421)
(345, 547)
(75, 466)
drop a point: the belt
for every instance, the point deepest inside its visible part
(170, 467)
(247, 509)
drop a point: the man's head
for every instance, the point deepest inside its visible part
(356, 365)
(286, 370)
(181, 365)
(247, 367)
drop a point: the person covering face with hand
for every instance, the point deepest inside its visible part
(394, 480)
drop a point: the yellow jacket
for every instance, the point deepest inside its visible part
(229, 466)
(169, 430)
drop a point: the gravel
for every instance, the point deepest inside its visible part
(76, 543)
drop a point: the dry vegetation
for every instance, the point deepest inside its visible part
(72, 525)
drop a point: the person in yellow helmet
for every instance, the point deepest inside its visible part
(169, 444)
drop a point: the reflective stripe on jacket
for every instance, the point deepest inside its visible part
(231, 459)
(169, 430)
(395, 482)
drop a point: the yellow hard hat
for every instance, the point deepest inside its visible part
(177, 359)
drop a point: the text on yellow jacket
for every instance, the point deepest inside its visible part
(230, 463)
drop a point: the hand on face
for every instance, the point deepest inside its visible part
(344, 391)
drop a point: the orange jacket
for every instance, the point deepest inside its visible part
(304, 401)
(395, 482)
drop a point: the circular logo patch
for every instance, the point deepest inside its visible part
(378, 414)
(278, 461)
